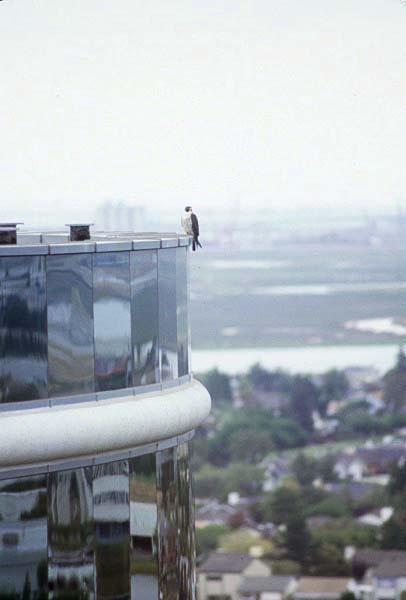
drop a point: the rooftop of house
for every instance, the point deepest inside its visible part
(273, 583)
(213, 511)
(357, 490)
(391, 568)
(322, 585)
(222, 562)
(373, 558)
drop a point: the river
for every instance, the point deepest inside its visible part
(310, 359)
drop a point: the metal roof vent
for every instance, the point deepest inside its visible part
(79, 232)
(8, 233)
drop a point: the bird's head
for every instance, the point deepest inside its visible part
(188, 208)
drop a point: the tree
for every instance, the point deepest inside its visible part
(326, 468)
(26, 595)
(348, 596)
(397, 482)
(394, 530)
(334, 387)
(207, 537)
(328, 561)
(304, 469)
(395, 384)
(297, 538)
(249, 445)
(217, 384)
(303, 401)
(283, 504)
(269, 381)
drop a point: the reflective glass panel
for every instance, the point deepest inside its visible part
(143, 528)
(168, 347)
(70, 534)
(144, 316)
(111, 510)
(182, 310)
(167, 524)
(192, 522)
(112, 320)
(23, 329)
(23, 537)
(70, 324)
(186, 561)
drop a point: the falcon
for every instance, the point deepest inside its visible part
(190, 224)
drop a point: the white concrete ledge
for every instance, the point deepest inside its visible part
(70, 431)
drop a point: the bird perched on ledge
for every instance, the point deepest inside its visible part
(190, 224)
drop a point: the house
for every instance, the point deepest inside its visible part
(389, 579)
(368, 461)
(321, 588)
(349, 466)
(275, 470)
(221, 575)
(376, 576)
(275, 587)
(214, 513)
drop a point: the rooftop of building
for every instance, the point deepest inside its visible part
(391, 568)
(327, 586)
(222, 562)
(372, 558)
(75, 238)
(273, 583)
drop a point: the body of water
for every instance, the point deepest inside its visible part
(307, 359)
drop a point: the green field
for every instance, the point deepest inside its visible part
(296, 294)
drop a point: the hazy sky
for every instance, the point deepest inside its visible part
(256, 103)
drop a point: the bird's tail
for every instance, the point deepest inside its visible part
(199, 244)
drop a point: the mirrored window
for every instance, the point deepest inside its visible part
(187, 551)
(168, 346)
(167, 497)
(111, 510)
(70, 324)
(23, 537)
(182, 311)
(70, 534)
(23, 329)
(144, 316)
(143, 528)
(112, 320)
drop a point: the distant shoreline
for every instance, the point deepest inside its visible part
(298, 359)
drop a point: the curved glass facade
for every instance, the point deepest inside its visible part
(90, 322)
(121, 529)
(103, 510)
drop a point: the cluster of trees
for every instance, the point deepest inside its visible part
(230, 448)
(249, 434)
(394, 530)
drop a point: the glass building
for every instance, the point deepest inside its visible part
(97, 411)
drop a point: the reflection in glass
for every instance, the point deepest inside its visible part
(144, 303)
(182, 310)
(143, 528)
(167, 524)
(23, 537)
(70, 534)
(187, 547)
(70, 324)
(167, 313)
(112, 320)
(112, 530)
(23, 341)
